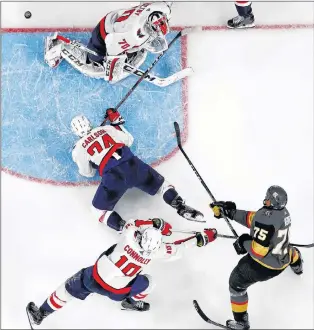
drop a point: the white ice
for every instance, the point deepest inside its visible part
(250, 126)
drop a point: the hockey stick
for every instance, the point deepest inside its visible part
(205, 317)
(178, 135)
(303, 245)
(157, 81)
(194, 232)
(180, 241)
(234, 237)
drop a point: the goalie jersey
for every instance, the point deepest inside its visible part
(123, 30)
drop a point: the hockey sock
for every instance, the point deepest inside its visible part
(52, 304)
(45, 308)
(244, 8)
(239, 304)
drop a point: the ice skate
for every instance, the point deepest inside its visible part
(35, 314)
(297, 267)
(239, 325)
(241, 22)
(132, 305)
(186, 211)
(53, 50)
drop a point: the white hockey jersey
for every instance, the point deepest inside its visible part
(98, 146)
(115, 271)
(122, 30)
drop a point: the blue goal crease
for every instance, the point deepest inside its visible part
(38, 104)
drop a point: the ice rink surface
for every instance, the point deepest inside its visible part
(250, 125)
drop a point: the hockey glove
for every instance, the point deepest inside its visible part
(114, 117)
(228, 209)
(238, 244)
(163, 226)
(207, 236)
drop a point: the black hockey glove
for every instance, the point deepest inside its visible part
(228, 209)
(238, 244)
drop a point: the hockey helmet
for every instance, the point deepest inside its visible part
(276, 198)
(150, 240)
(81, 126)
(157, 23)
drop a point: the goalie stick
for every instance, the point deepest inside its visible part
(157, 81)
(178, 35)
(178, 135)
(160, 82)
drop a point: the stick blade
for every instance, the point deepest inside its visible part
(178, 133)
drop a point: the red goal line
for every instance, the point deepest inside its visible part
(174, 28)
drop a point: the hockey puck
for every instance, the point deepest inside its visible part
(28, 14)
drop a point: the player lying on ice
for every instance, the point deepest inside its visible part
(122, 36)
(106, 149)
(116, 273)
(267, 249)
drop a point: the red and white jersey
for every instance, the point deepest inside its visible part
(115, 271)
(123, 30)
(98, 146)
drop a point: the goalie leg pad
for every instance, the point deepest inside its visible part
(114, 68)
(53, 48)
(77, 57)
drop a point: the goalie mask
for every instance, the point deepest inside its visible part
(150, 241)
(157, 24)
(81, 126)
(156, 27)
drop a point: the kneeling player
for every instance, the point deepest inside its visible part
(116, 273)
(267, 249)
(122, 36)
(106, 149)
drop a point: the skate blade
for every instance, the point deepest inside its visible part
(199, 219)
(31, 324)
(133, 310)
(248, 26)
